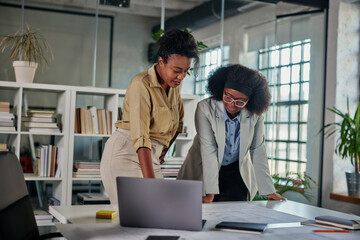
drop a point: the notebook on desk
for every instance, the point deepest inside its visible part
(159, 203)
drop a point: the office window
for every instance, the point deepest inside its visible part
(287, 68)
(209, 61)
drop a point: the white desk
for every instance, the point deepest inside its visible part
(287, 214)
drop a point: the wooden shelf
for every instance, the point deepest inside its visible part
(345, 198)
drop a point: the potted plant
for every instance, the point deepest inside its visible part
(30, 48)
(348, 144)
(292, 182)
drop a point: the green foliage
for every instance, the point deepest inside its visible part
(29, 46)
(348, 144)
(294, 182)
(201, 46)
(158, 34)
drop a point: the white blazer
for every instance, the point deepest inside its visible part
(204, 158)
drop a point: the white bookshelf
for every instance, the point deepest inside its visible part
(56, 97)
(65, 100)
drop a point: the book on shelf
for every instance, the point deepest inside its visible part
(36, 164)
(53, 201)
(42, 119)
(77, 121)
(40, 125)
(42, 214)
(5, 104)
(87, 164)
(86, 169)
(171, 167)
(8, 129)
(6, 117)
(103, 121)
(337, 222)
(5, 107)
(108, 122)
(82, 120)
(59, 161)
(48, 161)
(6, 124)
(323, 225)
(92, 198)
(41, 113)
(53, 161)
(100, 121)
(42, 217)
(94, 120)
(88, 122)
(75, 175)
(44, 130)
(244, 227)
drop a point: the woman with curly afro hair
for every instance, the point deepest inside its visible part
(228, 153)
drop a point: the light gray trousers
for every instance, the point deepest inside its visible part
(120, 159)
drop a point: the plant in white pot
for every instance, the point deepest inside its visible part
(348, 144)
(30, 48)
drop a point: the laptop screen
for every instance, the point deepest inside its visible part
(159, 203)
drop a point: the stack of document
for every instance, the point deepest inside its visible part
(332, 222)
(42, 217)
(338, 222)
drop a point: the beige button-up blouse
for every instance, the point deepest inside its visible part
(149, 113)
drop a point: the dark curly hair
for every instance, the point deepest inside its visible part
(175, 41)
(259, 100)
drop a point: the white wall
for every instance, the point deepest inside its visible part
(132, 34)
(72, 37)
(342, 81)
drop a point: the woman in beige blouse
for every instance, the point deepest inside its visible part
(152, 114)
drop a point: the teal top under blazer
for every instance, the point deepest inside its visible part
(204, 158)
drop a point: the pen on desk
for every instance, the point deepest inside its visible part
(343, 231)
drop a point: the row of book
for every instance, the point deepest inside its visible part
(93, 121)
(86, 169)
(170, 168)
(7, 119)
(41, 120)
(48, 161)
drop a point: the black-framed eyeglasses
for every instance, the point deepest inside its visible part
(238, 103)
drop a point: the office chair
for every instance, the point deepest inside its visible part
(17, 220)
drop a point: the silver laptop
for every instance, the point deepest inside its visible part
(159, 203)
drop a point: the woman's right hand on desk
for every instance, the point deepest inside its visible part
(209, 198)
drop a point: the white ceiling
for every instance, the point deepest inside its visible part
(151, 8)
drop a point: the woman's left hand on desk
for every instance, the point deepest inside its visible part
(275, 196)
